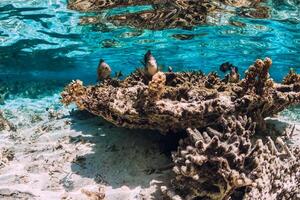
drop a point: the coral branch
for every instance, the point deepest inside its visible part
(291, 78)
(212, 164)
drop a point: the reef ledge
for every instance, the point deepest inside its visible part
(220, 158)
(171, 102)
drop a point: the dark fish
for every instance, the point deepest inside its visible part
(225, 67)
(150, 64)
(228, 67)
(103, 70)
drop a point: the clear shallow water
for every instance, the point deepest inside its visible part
(42, 39)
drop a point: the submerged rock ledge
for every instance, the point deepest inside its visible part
(177, 101)
(219, 159)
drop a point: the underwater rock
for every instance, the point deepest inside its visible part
(258, 78)
(291, 78)
(6, 155)
(220, 162)
(156, 86)
(94, 195)
(73, 93)
(5, 124)
(183, 99)
(170, 13)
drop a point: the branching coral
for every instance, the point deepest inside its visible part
(219, 159)
(182, 100)
(156, 86)
(291, 78)
(220, 162)
(73, 93)
(258, 77)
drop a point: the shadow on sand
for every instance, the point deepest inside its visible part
(121, 157)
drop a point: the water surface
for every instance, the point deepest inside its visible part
(42, 40)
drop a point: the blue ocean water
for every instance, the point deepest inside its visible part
(42, 41)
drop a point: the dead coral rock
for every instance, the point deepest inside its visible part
(100, 195)
(258, 78)
(6, 155)
(277, 172)
(212, 80)
(291, 78)
(5, 124)
(74, 93)
(157, 86)
(211, 164)
(176, 101)
(9, 194)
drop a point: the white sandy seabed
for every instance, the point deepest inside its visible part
(59, 154)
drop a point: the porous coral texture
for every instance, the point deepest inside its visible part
(183, 99)
(220, 162)
(291, 78)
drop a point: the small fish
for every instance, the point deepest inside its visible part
(103, 70)
(150, 64)
(228, 67)
(170, 69)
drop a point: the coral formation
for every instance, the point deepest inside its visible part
(220, 158)
(169, 13)
(184, 99)
(291, 78)
(156, 87)
(94, 195)
(220, 162)
(5, 124)
(73, 93)
(6, 155)
(258, 77)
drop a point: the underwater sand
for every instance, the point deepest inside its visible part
(57, 155)
(62, 153)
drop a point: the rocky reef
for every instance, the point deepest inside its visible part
(169, 13)
(224, 155)
(177, 101)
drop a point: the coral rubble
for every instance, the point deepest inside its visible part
(176, 101)
(5, 124)
(6, 155)
(169, 13)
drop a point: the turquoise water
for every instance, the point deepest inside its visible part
(41, 40)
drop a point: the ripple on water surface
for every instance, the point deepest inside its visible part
(44, 39)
